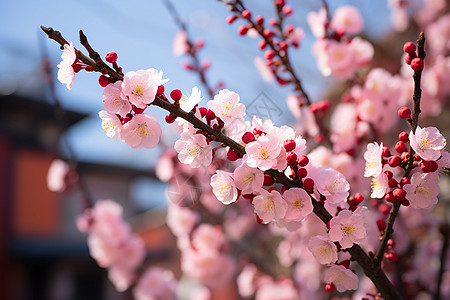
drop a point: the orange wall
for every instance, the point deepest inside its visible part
(35, 210)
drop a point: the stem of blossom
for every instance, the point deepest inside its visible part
(445, 231)
(375, 273)
(327, 9)
(192, 53)
(417, 95)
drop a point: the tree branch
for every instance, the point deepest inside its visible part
(375, 273)
(414, 122)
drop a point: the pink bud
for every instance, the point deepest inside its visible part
(409, 47)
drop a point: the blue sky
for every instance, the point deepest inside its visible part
(141, 33)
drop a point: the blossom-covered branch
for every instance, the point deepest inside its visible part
(142, 129)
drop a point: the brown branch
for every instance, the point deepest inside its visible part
(375, 273)
(414, 122)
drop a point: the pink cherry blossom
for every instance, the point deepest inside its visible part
(428, 142)
(187, 103)
(423, 190)
(269, 206)
(277, 290)
(347, 228)
(113, 101)
(181, 220)
(316, 21)
(265, 71)
(348, 19)
(299, 204)
(246, 280)
(156, 284)
(226, 106)
(193, 150)
(342, 278)
(121, 278)
(323, 250)
(380, 186)
(107, 211)
(362, 51)
(165, 167)
(248, 180)
(142, 131)
(223, 187)
(66, 73)
(331, 184)
(210, 268)
(56, 175)
(262, 153)
(295, 36)
(208, 237)
(140, 87)
(373, 159)
(111, 124)
(180, 45)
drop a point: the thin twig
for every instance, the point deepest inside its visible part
(414, 122)
(192, 51)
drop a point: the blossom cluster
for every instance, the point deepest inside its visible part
(113, 245)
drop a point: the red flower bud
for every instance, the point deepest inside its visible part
(268, 180)
(394, 161)
(381, 223)
(242, 30)
(111, 57)
(103, 80)
(246, 14)
(417, 64)
(308, 183)
(232, 155)
(404, 112)
(302, 173)
(303, 160)
(403, 136)
(289, 145)
(175, 95)
(409, 47)
(400, 147)
(399, 194)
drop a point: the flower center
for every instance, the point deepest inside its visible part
(263, 153)
(348, 229)
(141, 130)
(194, 151)
(297, 204)
(138, 90)
(270, 207)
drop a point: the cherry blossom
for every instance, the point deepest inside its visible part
(330, 183)
(299, 204)
(113, 101)
(66, 73)
(347, 18)
(246, 280)
(316, 21)
(269, 206)
(373, 159)
(380, 186)
(347, 228)
(187, 103)
(423, 190)
(193, 150)
(111, 124)
(142, 131)
(211, 268)
(56, 176)
(428, 142)
(265, 71)
(248, 180)
(224, 187)
(181, 220)
(342, 278)
(140, 87)
(155, 284)
(323, 250)
(226, 106)
(180, 45)
(262, 153)
(207, 237)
